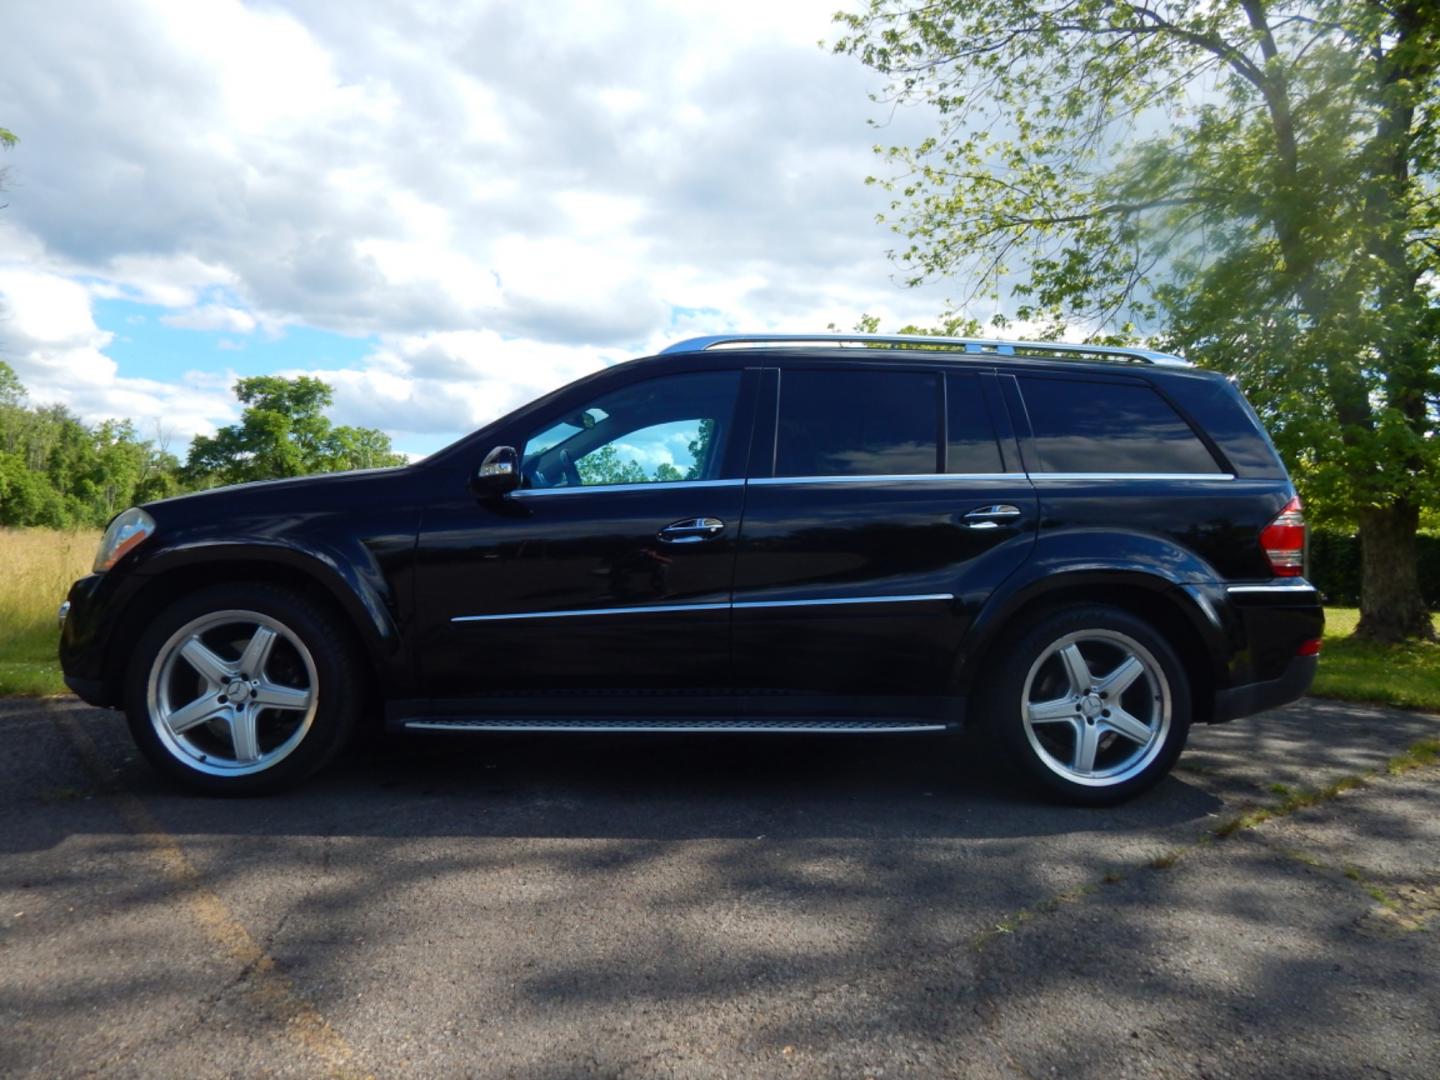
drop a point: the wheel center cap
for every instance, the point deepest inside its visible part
(237, 690)
(1091, 706)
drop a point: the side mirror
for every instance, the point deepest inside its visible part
(499, 473)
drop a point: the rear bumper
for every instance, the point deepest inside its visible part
(1261, 629)
(1256, 697)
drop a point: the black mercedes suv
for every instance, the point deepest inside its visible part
(1080, 551)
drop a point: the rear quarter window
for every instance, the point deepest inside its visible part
(1081, 426)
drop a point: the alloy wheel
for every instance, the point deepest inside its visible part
(1096, 707)
(232, 693)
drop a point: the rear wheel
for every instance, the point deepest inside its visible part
(241, 688)
(1091, 703)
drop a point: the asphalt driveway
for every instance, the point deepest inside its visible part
(551, 907)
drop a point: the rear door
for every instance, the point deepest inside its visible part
(884, 504)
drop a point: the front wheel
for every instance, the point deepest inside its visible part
(1091, 703)
(241, 688)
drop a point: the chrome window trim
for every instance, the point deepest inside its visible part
(654, 485)
(1298, 586)
(653, 609)
(896, 478)
(1039, 476)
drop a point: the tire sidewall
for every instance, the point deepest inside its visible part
(1002, 702)
(335, 689)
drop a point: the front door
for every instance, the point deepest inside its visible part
(603, 584)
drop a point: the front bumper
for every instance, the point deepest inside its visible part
(85, 631)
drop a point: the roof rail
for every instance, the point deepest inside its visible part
(980, 346)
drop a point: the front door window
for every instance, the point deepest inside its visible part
(667, 430)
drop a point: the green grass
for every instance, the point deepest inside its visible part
(36, 569)
(1407, 676)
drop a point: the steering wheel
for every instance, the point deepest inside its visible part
(568, 470)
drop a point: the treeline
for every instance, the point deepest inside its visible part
(60, 472)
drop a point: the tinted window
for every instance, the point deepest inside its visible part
(659, 431)
(857, 423)
(1093, 427)
(969, 435)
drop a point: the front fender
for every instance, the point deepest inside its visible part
(353, 578)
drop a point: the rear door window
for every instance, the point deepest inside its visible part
(970, 445)
(858, 423)
(1082, 426)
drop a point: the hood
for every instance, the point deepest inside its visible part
(316, 481)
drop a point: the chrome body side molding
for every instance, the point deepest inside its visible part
(656, 609)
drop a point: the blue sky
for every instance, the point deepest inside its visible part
(442, 208)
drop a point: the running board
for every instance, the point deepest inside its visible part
(626, 726)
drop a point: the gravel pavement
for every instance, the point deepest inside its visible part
(742, 906)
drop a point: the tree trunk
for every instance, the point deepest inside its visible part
(1391, 609)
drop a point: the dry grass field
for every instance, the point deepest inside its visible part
(36, 569)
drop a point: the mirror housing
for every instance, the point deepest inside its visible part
(499, 473)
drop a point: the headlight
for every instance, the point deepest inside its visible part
(129, 530)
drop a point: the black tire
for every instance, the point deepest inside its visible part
(1048, 745)
(301, 704)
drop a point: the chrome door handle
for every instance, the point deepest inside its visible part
(990, 517)
(691, 531)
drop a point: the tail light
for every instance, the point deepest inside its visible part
(1284, 541)
(1309, 648)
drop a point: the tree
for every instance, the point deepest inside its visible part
(1256, 181)
(56, 471)
(284, 432)
(7, 140)
(12, 390)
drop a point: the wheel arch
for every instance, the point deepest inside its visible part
(363, 616)
(1193, 632)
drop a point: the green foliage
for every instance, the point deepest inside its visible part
(1256, 179)
(1335, 566)
(1261, 177)
(57, 472)
(7, 140)
(60, 473)
(283, 431)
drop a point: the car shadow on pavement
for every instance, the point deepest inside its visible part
(677, 788)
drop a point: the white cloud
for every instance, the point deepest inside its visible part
(48, 335)
(212, 317)
(504, 195)
(451, 381)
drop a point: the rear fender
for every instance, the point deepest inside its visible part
(1142, 573)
